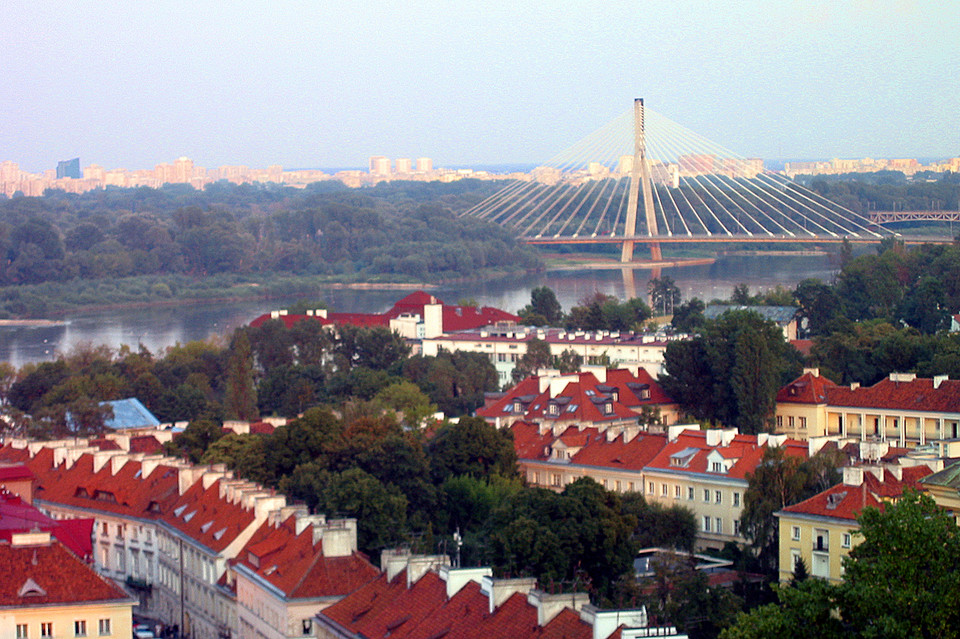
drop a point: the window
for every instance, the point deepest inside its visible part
(845, 540)
(795, 533)
(803, 422)
(821, 565)
(719, 525)
(706, 495)
(779, 421)
(677, 491)
(664, 490)
(80, 628)
(630, 487)
(554, 409)
(790, 421)
(736, 527)
(716, 467)
(690, 493)
(46, 629)
(736, 499)
(619, 488)
(821, 540)
(22, 631)
(650, 488)
(556, 479)
(794, 557)
(706, 523)
(104, 627)
(718, 497)
(501, 357)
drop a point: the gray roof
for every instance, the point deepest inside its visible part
(948, 477)
(779, 314)
(130, 413)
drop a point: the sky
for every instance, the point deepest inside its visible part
(328, 83)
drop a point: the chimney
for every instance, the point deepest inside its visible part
(339, 537)
(896, 471)
(549, 605)
(432, 320)
(852, 476)
(854, 385)
(939, 379)
(605, 622)
(419, 565)
(392, 562)
(815, 372)
(457, 578)
(727, 435)
(305, 519)
(321, 312)
(713, 436)
(499, 590)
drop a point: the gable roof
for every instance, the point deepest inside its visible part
(845, 501)
(593, 448)
(17, 516)
(296, 565)
(809, 388)
(48, 574)
(130, 413)
(583, 399)
(690, 453)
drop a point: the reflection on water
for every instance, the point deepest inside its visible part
(159, 327)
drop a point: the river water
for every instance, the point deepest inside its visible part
(160, 327)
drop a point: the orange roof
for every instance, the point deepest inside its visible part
(584, 400)
(296, 565)
(204, 516)
(688, 453)
(918, 394)
(806, 389)
(844, 501)
(49, 574)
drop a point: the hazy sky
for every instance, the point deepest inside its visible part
(329, 83)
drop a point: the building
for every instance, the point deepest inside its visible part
(179, 535)
(903, 409)
(596, 396)
(504, 344)
(68, 169)
(290, 570)
(404, 166)
(944, 487)
(379, 165)
(47, 591)
(706, 471)
(418, 315)
(424, 165)
(823, 529)
(422, 597)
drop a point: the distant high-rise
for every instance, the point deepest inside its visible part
(379, 165)
(424, 164)
(69, 169)
(404, 165)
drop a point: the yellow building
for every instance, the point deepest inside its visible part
(823, 529)
(944, 488)
(902, 409)
(47, 592)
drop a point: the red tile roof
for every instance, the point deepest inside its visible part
(844, 501)
(691, 450)
(60, 576)
(16, 516)
(806, 389)
(454, 317)
(582, 400)
(204, 516)
(15, 472)
(296, 565)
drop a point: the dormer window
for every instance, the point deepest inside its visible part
(517, 407)
(716, 467)
(615, 395)
(608, 408)
(554, 409)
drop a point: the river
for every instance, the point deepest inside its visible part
(159, 327)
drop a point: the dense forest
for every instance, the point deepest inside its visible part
(165, 239)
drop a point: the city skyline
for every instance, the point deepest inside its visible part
(317, 85)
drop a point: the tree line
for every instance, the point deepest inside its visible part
(404, 232)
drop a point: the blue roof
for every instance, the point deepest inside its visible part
(779, 314)
(130, 413)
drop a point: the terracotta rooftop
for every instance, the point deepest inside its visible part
(896, 392)
(845, 501)
(296, 565)
(689, 453)
(16, 516)
(49, 574)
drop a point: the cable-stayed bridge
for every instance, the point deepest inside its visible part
(644, 179)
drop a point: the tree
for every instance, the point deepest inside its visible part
(537, 356)
(819, 304)
(664, 294)
(407, 399)
(732, 371)
(569, 361)
(903, 579)
(688, 316)
(195, 439)
(244, 454)
(241, 397)
(924, 306)
(543, 309)
(471, 447)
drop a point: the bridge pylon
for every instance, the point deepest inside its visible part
(639, 177)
